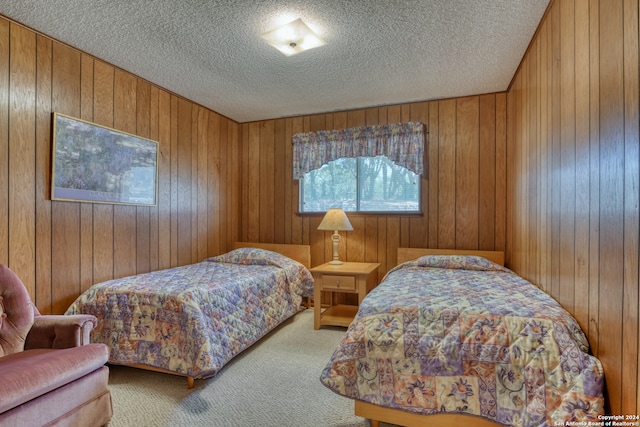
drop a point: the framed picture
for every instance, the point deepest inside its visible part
(97, 164)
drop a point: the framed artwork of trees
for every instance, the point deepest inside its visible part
(97, 164)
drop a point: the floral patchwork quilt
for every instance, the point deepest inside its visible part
(461, 334)
(193, 319)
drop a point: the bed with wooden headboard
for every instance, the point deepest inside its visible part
(458, 341)
(191, 320)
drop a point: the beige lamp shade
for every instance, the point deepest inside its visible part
(335, 220)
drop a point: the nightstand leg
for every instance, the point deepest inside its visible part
(317, 306)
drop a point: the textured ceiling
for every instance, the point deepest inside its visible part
(378, 52)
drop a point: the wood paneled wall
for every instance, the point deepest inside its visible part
(573, 156)
(60, 248)
(463, 189)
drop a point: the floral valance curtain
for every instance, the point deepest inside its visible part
(402, 143)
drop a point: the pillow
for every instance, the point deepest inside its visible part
(249, 256)
(458, 262)
(298, 275)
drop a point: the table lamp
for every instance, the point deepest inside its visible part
(335, 220)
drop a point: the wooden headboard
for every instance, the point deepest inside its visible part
(408, 254)
(300, 253)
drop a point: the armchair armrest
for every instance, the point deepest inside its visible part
(60, 331)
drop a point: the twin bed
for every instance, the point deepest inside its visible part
(460, 340)
(445, 340)
(192, 320)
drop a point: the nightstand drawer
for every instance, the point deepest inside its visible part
(338, 283)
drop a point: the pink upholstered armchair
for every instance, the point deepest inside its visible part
(50, 373)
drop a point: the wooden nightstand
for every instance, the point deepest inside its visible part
(349, 277)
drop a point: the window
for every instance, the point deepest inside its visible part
(360, 169)
(361, 184)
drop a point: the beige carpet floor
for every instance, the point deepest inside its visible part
(273, 383)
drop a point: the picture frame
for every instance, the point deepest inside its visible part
(98, 164)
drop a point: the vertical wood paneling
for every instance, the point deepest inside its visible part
(554, 287)
(405, 233)
(103, 80)
(467, 155)
(253, 181)
(267, 181)
(4, 139)
(531, 160)
(467, 135)
(243, 142)
(22, 98)
(154, 212)
(567, 165)
(65, 215)
(184, 171)
(500, 213)
(232, 196)
(60, 248)
(288, 185)
(214, 184)
(419, 226)
(487, 172)
(296, 221)
(143, 224)
(582, 101)
(612, 201)
(195, 140)
(630, 305)
(164, 179)
(86, 209)
(175, 184)
(202, 184)
(594, 174)
(545, 96)
(581, 299)
(124, 217)
(513, 153)
(279, 179)
(377, 237)
(433, 172)
(43, 180)
(447, 174)
(228, 174)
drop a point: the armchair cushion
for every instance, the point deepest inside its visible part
(32, 373)
(58, 331)
(16, 312)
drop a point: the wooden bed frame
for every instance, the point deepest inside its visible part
(300, 253)
(395, 416)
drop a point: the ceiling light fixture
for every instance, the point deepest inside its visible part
(293, 38)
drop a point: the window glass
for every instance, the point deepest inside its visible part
(363, 184)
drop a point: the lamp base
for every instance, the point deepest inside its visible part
(336, 240)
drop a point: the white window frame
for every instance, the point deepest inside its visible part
(357, 200)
